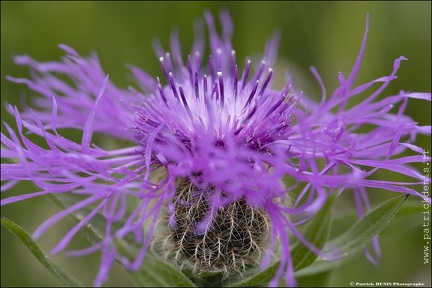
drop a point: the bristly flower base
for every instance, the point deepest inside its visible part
(233, 242)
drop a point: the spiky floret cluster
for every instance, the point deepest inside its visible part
(213, 128)
(223, 139)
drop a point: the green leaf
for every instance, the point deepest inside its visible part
(408, 213)
(342, 223)
(157, 273)
(26, 239)
(316, 280)
(321, 265)
(316, 233)
(361, 233)
(259, 280)
(94, 230)
(153, 272)
(358, 236)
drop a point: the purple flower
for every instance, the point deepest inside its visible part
(213, 145)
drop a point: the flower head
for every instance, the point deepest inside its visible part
(213, 144)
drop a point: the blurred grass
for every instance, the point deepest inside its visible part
(326, 35)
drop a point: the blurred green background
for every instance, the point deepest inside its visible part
(326, 35)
